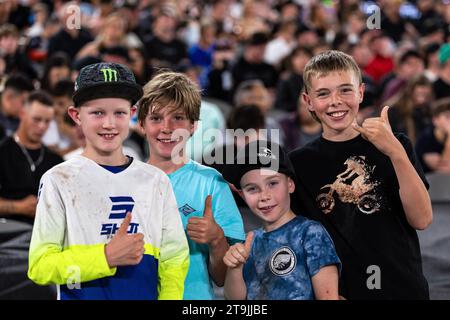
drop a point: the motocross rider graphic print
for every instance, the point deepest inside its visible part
(355, 185)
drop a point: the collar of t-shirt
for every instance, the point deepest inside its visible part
(117, 169)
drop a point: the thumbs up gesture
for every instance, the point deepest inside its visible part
(205, 229)
(125, 249)
(238, 254)
(378, 131)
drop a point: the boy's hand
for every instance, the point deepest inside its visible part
(205, 229)
(238, 254)
(378, 131)
(125, 249)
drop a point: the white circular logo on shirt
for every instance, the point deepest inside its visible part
(283, 261)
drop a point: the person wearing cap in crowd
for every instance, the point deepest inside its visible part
(441, 86)
(107, 225)
(291, 257)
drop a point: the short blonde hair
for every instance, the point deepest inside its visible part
(170, 89)
(327, 62)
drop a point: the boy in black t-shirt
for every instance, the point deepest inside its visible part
(364, 184)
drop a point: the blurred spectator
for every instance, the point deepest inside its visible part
(12, 100)
(382, 64)
(410, 64)
(138, 64)
(256, 18)
(13, 56)
(113, 34)
(253, 92)
(432, 64)
(57, 68)
(201, 54)
(57, 138)
(362, 55)
(220, 80)
(164, 49)
(23, 161)
(299, 127)
(282, 45)
(210, 124)
(69, 38)
(442, 85)
(433, 146)
(251, 64)
(288, 90)
(37, 48)
(411, 109)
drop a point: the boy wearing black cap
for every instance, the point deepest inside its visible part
(290, 258)
(107, 226)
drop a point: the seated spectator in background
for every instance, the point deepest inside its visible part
(382, 63)
(201, 53)
(138, 64)
(68, 39)
(23, 161)
(410, 64)
(245, 121)
(57, 138)
(164, 49)
(113, 34)
(251, 65)
(253, 92)
(442, 85)
(12, 99)
(288, 89)
(220, 80)
(58, 67)
(299, 127)
(37, 47)
(433, 146)
(282, 44)
(432, 65)
(362, 55)
(410, 113)
(211, 118)
(14, 57)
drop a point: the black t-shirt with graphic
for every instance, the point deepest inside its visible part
(352, 189)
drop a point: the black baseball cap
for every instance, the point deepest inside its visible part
(257, 155)
(106, 80)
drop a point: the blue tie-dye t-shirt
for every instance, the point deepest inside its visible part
(283, 261)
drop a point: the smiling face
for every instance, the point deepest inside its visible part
(266, 192)
(105, 124)
(167, 131)
(335, 99)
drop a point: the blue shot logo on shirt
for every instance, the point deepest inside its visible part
(120, 207)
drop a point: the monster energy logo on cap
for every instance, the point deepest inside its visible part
(109, 74)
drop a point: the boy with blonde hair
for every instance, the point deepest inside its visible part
(364, 184)
(168, 112)
(77, 240)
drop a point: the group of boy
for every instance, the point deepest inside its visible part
(348, 202)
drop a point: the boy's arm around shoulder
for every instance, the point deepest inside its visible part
(49, 261)
(413, 193)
